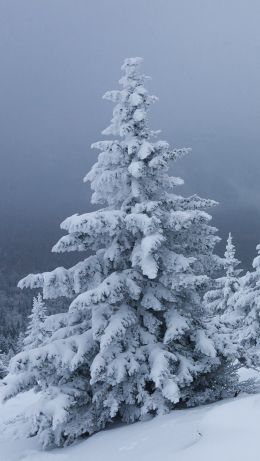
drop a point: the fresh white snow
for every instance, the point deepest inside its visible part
(225, 431)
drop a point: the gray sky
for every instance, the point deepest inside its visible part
(59, 56)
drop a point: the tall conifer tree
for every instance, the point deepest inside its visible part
(134, 340)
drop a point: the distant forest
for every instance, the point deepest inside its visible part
(18, 258)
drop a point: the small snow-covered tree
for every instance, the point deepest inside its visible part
(19, 345)
(219, 299)
(247, 305)
(5, 359)
(224, 320)
(231, 283)
(134, 341)
(36, 331)
(3, 368)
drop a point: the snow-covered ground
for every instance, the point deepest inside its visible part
(226, 431)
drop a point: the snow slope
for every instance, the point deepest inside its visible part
(227, 431)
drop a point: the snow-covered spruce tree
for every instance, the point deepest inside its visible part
(133, 341)
(247, 304)
(223, 322)
(19, 344)
(231, 282)
(3, 368)
(36, 332)
(219, 299)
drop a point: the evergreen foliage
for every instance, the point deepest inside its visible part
(219, 302)
(135, 340)
(224, 322)
(3, 369)
(247, 305)
(36, 332)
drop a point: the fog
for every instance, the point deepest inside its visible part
(57, 59)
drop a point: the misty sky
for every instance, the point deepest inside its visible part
(59, 56)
